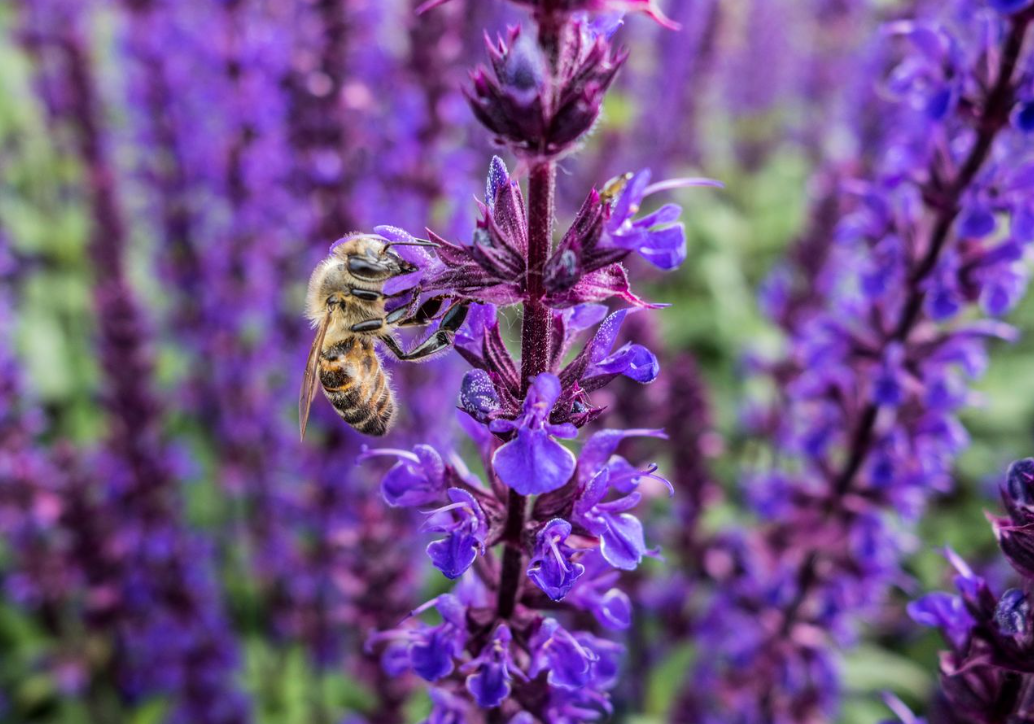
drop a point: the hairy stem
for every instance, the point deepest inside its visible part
(535, 344)
(536, 329)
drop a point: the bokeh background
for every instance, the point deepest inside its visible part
(170, 172)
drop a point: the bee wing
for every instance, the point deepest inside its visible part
(312, 376)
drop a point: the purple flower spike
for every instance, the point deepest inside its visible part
(551, 567)
(533, 462)
(555, 650)
(493, 669)
(465, 523)
(539, 94)
(418, 478)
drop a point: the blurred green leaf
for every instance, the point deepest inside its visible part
(870, 670)
(667, 680)
(152, 712)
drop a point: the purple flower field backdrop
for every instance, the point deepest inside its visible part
(729, 351)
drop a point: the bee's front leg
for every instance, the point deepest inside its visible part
(442, 338)
(393, 345)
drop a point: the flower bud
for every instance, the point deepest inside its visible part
(533, 109)
(1012, 615)
(1018, 491)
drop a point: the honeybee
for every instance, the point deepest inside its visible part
(345, 302)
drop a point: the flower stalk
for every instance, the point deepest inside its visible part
(536, 331)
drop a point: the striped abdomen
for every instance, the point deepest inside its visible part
(357, 386)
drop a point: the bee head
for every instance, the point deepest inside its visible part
(369, 258)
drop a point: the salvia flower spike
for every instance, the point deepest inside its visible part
(542, 539)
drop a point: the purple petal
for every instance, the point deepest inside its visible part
(976, 221)
(533, 463)
(598, 448)
(583, 316)
(545, 390)
(419, 482)
(554, 575)
(613, 610)
(667, 214)
(489, 685)
(603, 341)
(632, 360)
(630, 198)
(432, 657)
(664, 248)
(943, 611)
(454, 554)
(622, 543)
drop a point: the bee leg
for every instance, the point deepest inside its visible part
(442, 338)
(454, 316)
(432, 345)
(366, 295)
(406, 309)
(425, 313)
(405, 317)
(368, 325)
(393, 345)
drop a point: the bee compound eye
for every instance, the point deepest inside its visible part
(365, 268)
